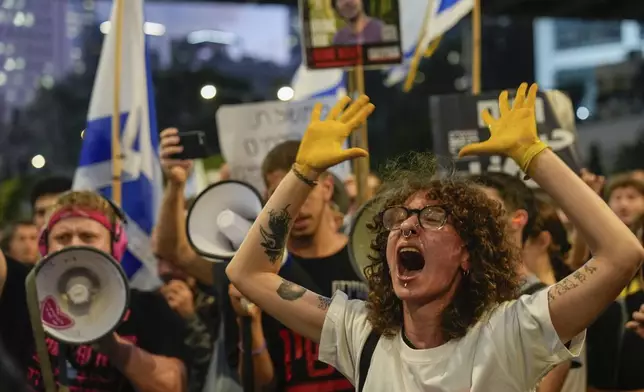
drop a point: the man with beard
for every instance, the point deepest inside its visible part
(360, 28)
(318, 259)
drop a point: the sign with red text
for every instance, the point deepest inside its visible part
(346, 33)
(247, 132)
(456, 121)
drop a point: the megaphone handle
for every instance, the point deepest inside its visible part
(39, 333)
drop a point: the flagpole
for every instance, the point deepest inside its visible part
(359, 139)
(476, 48)
(117, 163)
(415, 60)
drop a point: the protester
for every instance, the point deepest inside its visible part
(198, 308)
(44, 195)
(319, 260)
(545, 253)
(10, 377)
(522, 216)
(140, 355)
(443, 272)
(171, 244)
(625, 196)
(20, 241)
(615, 339)
(520, 212)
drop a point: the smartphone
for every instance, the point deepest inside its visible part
(195, 145)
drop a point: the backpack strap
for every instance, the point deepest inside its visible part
(365, 357)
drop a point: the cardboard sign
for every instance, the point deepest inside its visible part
(456, 121)
(247, 132)
(346, 33)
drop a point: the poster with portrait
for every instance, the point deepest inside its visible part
(347, 33)
(456, 121)
(248, 131)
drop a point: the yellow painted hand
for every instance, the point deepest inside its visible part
(321, 146)
(514, 133)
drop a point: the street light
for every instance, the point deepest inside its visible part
(208, 91)
(583, 113)
(285, 93)
(38, 161)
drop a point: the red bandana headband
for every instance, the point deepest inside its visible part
(76, 212)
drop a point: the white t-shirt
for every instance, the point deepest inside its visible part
(576, 381)
(509, 350)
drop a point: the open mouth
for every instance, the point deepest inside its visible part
(410, 262)
(300, 222)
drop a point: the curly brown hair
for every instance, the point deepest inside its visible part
(479, 222)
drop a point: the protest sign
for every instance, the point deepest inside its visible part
(456, 121)
(247, 132)
(346, 33)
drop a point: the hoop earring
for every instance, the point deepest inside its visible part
(466, 273)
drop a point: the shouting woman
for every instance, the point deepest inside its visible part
(440, 314)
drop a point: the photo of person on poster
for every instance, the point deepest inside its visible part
(360, 28)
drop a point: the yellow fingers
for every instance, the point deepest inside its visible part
(520, 97)
(361, 116)
(532, 96)
(338, 108)
(352, 153)
(503, 103)
(475, 149)
(316, 112)
(354, 108)
(488, 119)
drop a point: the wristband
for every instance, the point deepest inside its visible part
(529, 154)
(256, 351)
(303, 178)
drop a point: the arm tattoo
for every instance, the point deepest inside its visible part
(571, 282)
(324, 302)
(274, 238)
(290, 291)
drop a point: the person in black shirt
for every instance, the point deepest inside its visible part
(318, 260)
(615, 348)
(10, 377)
(145, 353)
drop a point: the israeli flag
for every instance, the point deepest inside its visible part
(443, 15)
(142, 181)
(319, 83)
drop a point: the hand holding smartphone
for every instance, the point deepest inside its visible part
(194, 145)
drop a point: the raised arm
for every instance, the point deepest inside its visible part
(577, 300)
(253, 269)
(172, 241)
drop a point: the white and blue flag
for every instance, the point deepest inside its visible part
(141, 178)
(419, 29)
(319, 83)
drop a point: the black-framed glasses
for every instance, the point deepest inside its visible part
(430, 217)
